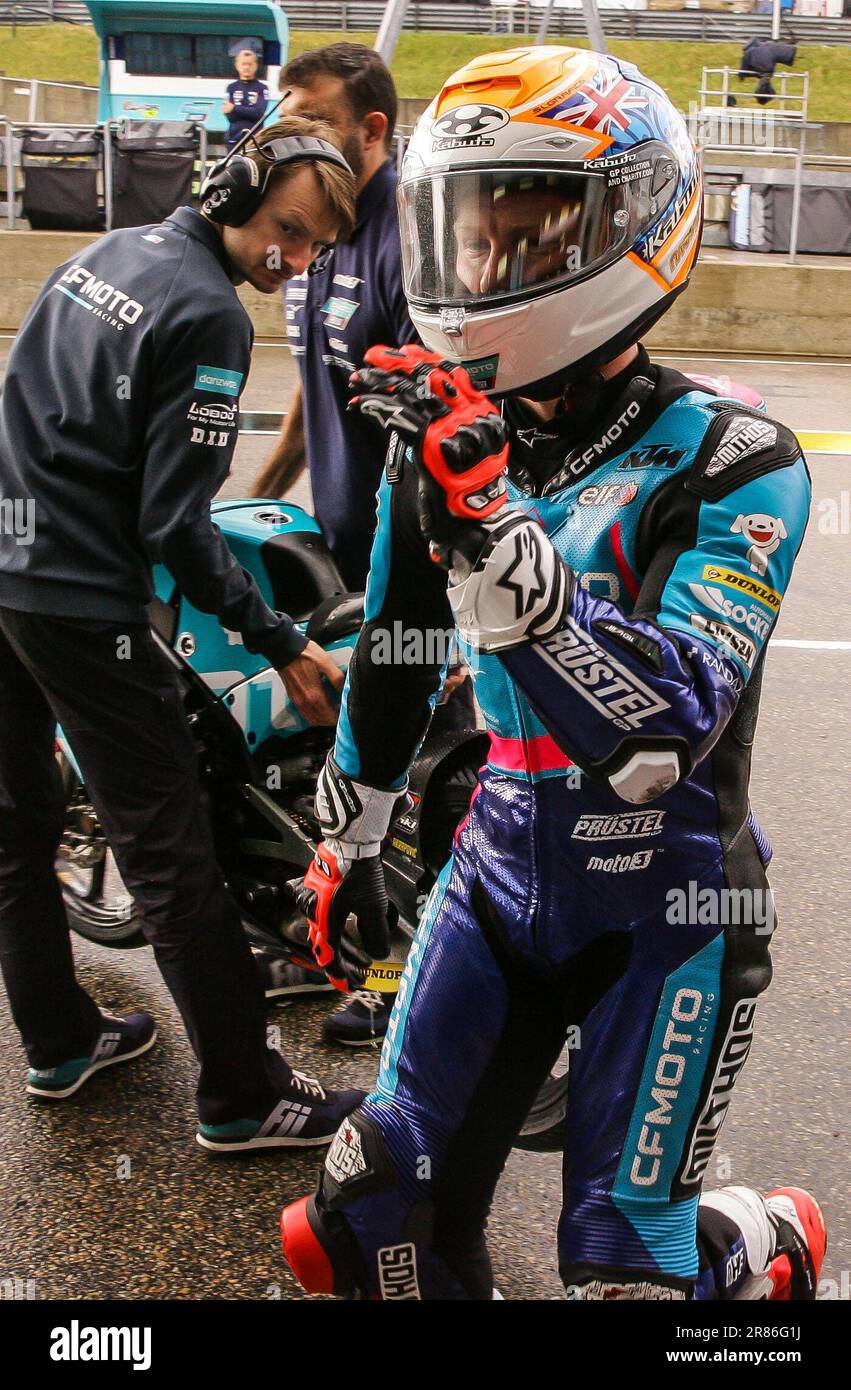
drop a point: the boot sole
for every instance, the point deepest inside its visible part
(271, 1141)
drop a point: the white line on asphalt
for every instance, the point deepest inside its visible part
(806, 643)
(748, 361)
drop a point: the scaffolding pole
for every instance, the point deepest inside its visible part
(391, 28)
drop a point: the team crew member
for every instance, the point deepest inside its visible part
(334, 316)
(615, 548)
(247, 98)
(125, 350)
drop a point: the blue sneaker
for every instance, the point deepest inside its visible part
(121, 1040)
(361, 1019)
(305, 1117)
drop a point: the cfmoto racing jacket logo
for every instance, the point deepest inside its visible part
(612, 689)
(101, 299)
(677, 1041)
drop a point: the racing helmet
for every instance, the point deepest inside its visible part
(551, 208)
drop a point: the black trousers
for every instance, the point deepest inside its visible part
(117, 700)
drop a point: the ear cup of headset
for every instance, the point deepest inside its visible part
(233, 191)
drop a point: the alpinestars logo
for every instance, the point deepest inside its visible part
(612, 689)
(524, 576)
(733, 1056)
(742, 437)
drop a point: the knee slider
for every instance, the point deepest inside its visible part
(318, 1249)
(587, 1286)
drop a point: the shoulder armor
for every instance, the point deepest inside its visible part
(740, 444)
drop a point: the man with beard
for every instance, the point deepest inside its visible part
(334, 316)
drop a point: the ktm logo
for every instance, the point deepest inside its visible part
(654, 456)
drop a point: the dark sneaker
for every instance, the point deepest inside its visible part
(121, 1040)
(306, 1117)
(361, 1019)
(281, 980)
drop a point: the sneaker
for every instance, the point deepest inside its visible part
(306, 1117)
(801, 1243)
(284, 980)
(121, 1040)
(361, 1019)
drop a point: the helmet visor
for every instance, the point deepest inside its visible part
(482, 237)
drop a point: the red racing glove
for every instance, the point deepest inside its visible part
(346, 877)
(458, 437)
(333, 889)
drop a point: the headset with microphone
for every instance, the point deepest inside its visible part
(235, 187)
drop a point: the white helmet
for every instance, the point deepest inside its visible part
(551, 208)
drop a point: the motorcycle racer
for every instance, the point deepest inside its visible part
(613, 546)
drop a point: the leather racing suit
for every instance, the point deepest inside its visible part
(610, 876)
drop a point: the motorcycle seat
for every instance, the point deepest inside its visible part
(336, 617)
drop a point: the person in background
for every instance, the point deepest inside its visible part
(332, 319)
(119, 482)
(247, 97)
(334, 316)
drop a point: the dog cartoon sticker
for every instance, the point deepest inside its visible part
(764, 533)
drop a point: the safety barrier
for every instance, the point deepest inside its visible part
(618, 23)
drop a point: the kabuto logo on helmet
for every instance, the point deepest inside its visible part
(468, 125)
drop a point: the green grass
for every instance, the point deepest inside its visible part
(66, 53)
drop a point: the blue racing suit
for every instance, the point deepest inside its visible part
(610, 876)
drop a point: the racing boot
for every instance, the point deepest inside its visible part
(760, 1248)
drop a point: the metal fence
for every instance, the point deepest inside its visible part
(697, 25)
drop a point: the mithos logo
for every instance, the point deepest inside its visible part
(737, 1045)
(613, 690)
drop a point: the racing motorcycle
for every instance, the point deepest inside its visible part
(258, 762)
